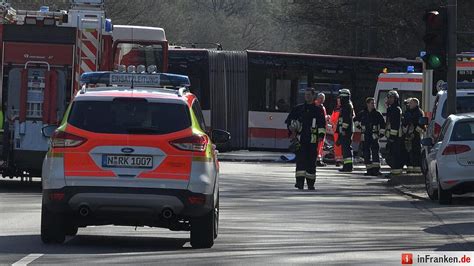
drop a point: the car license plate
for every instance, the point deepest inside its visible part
(121, 161)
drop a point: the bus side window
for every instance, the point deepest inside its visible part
(278, 95)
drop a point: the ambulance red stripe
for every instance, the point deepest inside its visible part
(410, 80)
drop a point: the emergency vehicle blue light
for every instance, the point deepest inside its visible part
(136, 80)
(411, 69)
(422, 54)
(44, 9)
(108, 25)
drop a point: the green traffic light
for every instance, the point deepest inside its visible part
(434, 61)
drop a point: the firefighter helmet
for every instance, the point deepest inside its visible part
(295, 125)
(393, 94)
(344, 93)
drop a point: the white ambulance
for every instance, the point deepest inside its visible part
(408, 85)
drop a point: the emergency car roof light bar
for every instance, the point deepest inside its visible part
(137, 79)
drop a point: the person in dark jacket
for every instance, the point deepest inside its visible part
(345, 129)
(307, 124)
(372, 126)
(412, 135)
(393, 132)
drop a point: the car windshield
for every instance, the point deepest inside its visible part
(463, 131)
(464, 104)
(139, 54)
(129, 116)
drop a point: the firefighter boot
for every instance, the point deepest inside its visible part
(311, 183)
(346, 168)
(377, 172)
(299, 183)
(370, 172)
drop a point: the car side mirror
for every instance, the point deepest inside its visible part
(220, 136)
(48, 131)
(427, 142)
(423, 121)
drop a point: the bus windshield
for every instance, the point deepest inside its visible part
(139, 54)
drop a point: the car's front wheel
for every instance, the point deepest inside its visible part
(203, 230)
(52, 227)
(424, 164)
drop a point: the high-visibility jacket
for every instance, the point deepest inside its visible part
(312, 119)
(371, 124)
(345, 122)
(334, 120)
(410, 121)
(393, 128)
(321, 140)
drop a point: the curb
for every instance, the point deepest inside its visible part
(407, 192)
(255, 160)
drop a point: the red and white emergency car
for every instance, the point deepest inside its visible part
(145, 159)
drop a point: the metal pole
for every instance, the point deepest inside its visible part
(452, 50)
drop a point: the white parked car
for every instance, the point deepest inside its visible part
(451, 159)
(464, 104)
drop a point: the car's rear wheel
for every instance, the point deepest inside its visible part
(203, 230)
(430, 190)
(52, 227)
(71, 229)
(216, 220)
(444, 196)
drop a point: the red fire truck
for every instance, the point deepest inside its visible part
(43, 54)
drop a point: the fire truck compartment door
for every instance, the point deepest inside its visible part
(27, 135)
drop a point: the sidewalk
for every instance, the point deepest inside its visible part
(410, 185)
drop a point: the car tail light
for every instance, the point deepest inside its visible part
(56, 196)
(197, 200)
(450, 182)
(192, 143)
(453, 149)
(63, 139)
(437, 130)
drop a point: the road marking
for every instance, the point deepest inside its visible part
(27, 260)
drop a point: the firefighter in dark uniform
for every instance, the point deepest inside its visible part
(372, 126)
(412, 135)
(345, 129)
(393, 132)
(306, 123)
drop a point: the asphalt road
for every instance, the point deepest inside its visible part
(349, 219)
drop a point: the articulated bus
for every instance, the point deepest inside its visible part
(250, 93)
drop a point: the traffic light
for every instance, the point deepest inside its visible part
(435, 39)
